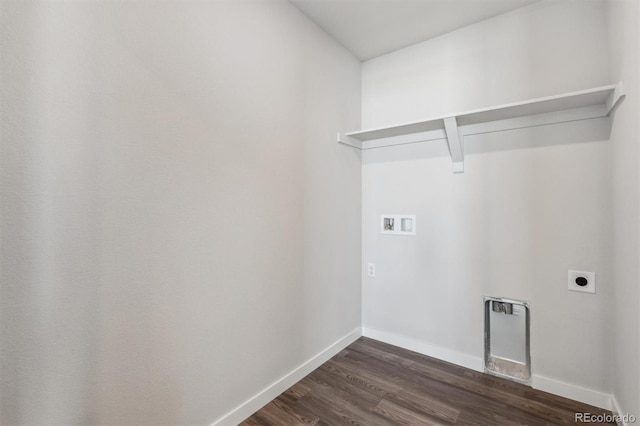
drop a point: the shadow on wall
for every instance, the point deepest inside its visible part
(49, 291)
(17, 324)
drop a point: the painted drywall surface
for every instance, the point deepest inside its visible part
(530, 205)
(547, 48)
(624, 19)
(184, 230)
(49, 220)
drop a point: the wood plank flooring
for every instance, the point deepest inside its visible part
(372, 383)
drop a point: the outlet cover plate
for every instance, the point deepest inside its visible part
(590, 287)
(371, 270)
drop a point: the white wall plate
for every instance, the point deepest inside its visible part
(582, 281)
(398, 224)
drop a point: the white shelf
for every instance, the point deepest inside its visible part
(581, 105)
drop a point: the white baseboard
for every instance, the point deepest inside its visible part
(265, 396)
(556, 387)
(449, 355)
(615, 407)
(567, 390)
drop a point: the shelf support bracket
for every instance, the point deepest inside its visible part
(615, 98)
(454, 139)
(347, 140)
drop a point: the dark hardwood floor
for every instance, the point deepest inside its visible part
(372, 383)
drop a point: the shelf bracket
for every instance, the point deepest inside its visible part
(348, 140)
(615, 98)
(454, 139)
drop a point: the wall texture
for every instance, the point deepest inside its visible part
(179, 227)
(624, 45)
(551, 47)
(531, 204)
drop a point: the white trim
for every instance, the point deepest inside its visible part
(567, 390)
(583, 96)
(615, 408)
(556, 387)
(266, 395)
(581, 105)
(344, 139)
(455, 141)
(455, 357)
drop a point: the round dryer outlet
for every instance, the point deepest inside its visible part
(582, 281)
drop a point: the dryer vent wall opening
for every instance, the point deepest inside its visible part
(507, 351)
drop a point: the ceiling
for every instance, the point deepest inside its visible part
(370, 28)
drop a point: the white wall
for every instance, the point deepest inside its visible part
(179, 227)
(551, 47)
(624, 48)
(531, 204)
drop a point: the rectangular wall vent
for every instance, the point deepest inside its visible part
(507, 339)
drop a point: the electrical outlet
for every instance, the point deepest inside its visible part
(582, 281)
(371, 270)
